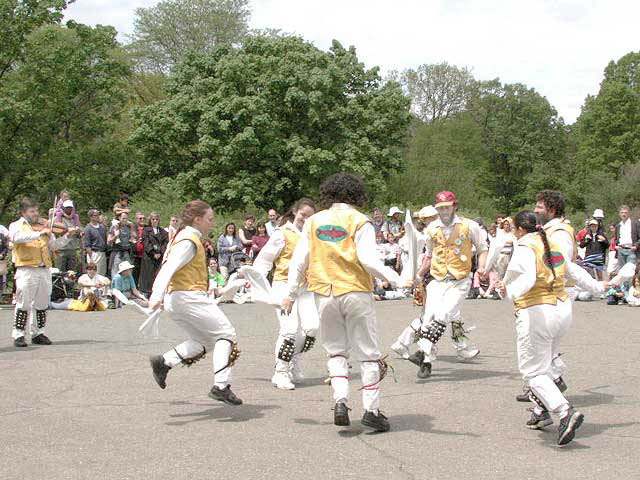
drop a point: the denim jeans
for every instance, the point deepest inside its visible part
(626, 255)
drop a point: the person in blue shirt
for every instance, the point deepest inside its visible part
(123, 281)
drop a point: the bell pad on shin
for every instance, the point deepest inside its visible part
(287, 350)
(21, 317)
(190, 361)
(458, 332)
(309, 342)
(41, 318)
(535, 399)
(434, 331)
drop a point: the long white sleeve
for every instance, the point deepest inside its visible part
(521, 272)
(365, 240)
(263, 263)
(181, 254)
(581, 278)
(18, 236)
(299, 262)
(564, 242)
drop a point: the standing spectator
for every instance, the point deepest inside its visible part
(627, 238)
(137, 239)
(598, 214)
(154, 241)
(121, 206)
(228, 243)
(612, 261)
(59, 210)
(394, 224)
(500, 220)
(119, 240)
(172, 229)
(505, 254)
(67, 259)
(595, 245)
(95, 242)
(379, 224)
(4, 253)
(247, 232)
(272, 223)
(260, 239)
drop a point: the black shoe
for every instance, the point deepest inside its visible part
(495, 296)
(560, 384)
(41, 339)
(473, 294)
(341, 415)
(417, 358)
(160, 370)
(378, 422)
(424, 371)
(524, 396)
(20, 342)
(538, 422)
(224, 395)
(569, 425)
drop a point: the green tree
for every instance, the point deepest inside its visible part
(264, 124)
(165, 33)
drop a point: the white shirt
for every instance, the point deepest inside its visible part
(88, 283)
(563, 239)
(365, 240)
(625, 233)
(181, 253)
(273, 248)
(521, 273)
(271, 227)
(478, 239)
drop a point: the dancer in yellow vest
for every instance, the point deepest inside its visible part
(534, 281)
(32, 258)
(337, 255)
(549, 210)
(182, 284)
(449, 247)
(297, 329)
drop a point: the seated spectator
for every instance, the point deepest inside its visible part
(216, 279)
(486, 288)
(60, 209)
(615, 295)
(247, 232)
(259, 240)
(392, 252)
(633, 295)
(272, 222)
(93, 290)
(124, 282)
(380, 246)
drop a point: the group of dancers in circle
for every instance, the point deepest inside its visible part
(323, 263)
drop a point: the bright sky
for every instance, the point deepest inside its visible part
(558, 47)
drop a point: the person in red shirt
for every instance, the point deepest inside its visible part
(260, 239)
(138, 252)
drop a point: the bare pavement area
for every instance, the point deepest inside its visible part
(87, 407)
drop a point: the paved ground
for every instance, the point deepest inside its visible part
(87, 406)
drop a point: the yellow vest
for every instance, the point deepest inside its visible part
(32, 254)
(281, 272)
(194, 276)
(334, 267)
(545, 290)
(567, 228)
(451, 256)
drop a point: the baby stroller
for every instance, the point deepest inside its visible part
(62, 285)
(238, 259)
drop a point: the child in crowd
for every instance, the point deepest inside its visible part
(124, 282)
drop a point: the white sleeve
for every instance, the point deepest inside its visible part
(478, 237)
(181, 254)
(521, 272)
(17, 236)
(272, 249)
(581, 278)
(428, 247)
(365, 239)
(299, 262)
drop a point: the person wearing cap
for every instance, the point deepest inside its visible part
(125, 283)
(394, 224)
(95, 242)
(67, 259)
(59, 210)
(448, 256)
(598, 214)
(595, 244)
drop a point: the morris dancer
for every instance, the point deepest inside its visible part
(182, 283)
(298, 329)
(535, 283)
(32, 258)
(337, 254)
(448, 252)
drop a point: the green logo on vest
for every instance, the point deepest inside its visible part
(331, 233)
(556, 259)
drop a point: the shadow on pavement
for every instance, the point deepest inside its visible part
(592, 398)
(463, 375)
(223, 413)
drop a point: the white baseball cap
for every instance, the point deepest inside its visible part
(428, 211)
(598, 213)
(393, 211)
(125, 266)
(67, 203)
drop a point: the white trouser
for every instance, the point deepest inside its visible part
(208, 328)
(612, 261)
(33, 290)
(100, 259)
(443, 305)
(302, 321)
(348, 326)
(539, 330)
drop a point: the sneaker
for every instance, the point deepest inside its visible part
(538, 422)
(41, 339)
(159, 369)
(224, 395)
(417, 358)
(424, 371)
(379, 422)
(560, 384)
(400, 350)
(341, 415)
(467, 353)
(524, 396)
(20, 342)
(568, 426)
(282, 381)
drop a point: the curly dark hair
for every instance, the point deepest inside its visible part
(552, 199)
(343, 188)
